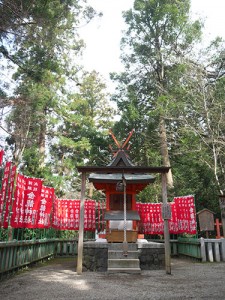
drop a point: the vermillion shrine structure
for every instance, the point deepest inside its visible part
(121, 181)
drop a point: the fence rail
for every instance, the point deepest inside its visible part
(189, 247)
(16, 255)
(212, 250)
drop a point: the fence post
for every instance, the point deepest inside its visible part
(203, 252)
(217, 251)
(210, 251)
(223, 248)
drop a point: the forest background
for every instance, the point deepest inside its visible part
(56, 115)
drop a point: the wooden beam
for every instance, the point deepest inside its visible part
(166, 227)
(124, 169)
(81, 227)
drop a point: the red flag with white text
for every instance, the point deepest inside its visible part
(4, 190)
(18, 203)
(66, 214)
(8, 205)
(26, 203)
(186, 216)
(45, 207)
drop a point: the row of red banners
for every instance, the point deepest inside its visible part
(183, 217)
(36, 206)
(66, 214)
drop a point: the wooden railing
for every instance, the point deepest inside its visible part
(17, 255)
(65, 248)
(212, 250)
(189, 247)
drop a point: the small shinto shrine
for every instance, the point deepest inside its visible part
(121, 190)
(121, 249)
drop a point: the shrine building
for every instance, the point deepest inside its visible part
(117, 187)
(121, 181)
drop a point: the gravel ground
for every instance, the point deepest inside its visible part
(57, 279)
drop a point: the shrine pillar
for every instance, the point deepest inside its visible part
(166, 227)
(81, 226)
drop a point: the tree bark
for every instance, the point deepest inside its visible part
(41, 143)
(164, 152)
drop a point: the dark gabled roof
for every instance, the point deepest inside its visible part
(121, 160)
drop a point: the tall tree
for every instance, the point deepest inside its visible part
(160, 34)
(82, 121)
(39, 37)
(200, 119)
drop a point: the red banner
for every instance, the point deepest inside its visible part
(151, 218)
(27, 202)
(183, 217)
(45, 207)
(18, 204)
(66, 214)
(173, 226)
(32, 198)
(9, 196)
(4, 190)
(1, 156)
(89, 215)
(186, 215)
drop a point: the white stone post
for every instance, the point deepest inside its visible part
(223, 249)
(203, 251)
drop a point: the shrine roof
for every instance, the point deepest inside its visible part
(122, 164)
(122, 169)
(115, 177)
(121, 159)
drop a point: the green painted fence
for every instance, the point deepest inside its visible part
(212, 250)
(189, 247)
(17, 255)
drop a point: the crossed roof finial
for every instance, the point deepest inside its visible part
(120, 146)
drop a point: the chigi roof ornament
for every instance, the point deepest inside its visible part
(120, 156)
(119, 146)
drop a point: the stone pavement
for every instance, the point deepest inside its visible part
(57, 279)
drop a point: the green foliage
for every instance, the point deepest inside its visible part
(163, 80)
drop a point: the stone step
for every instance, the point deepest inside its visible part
(124, 270)
(123, 263)
(120, 246)
(118, 254)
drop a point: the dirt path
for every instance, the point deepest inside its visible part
(57, 279)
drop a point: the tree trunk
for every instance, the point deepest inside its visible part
(164, 152)
(41, 142)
